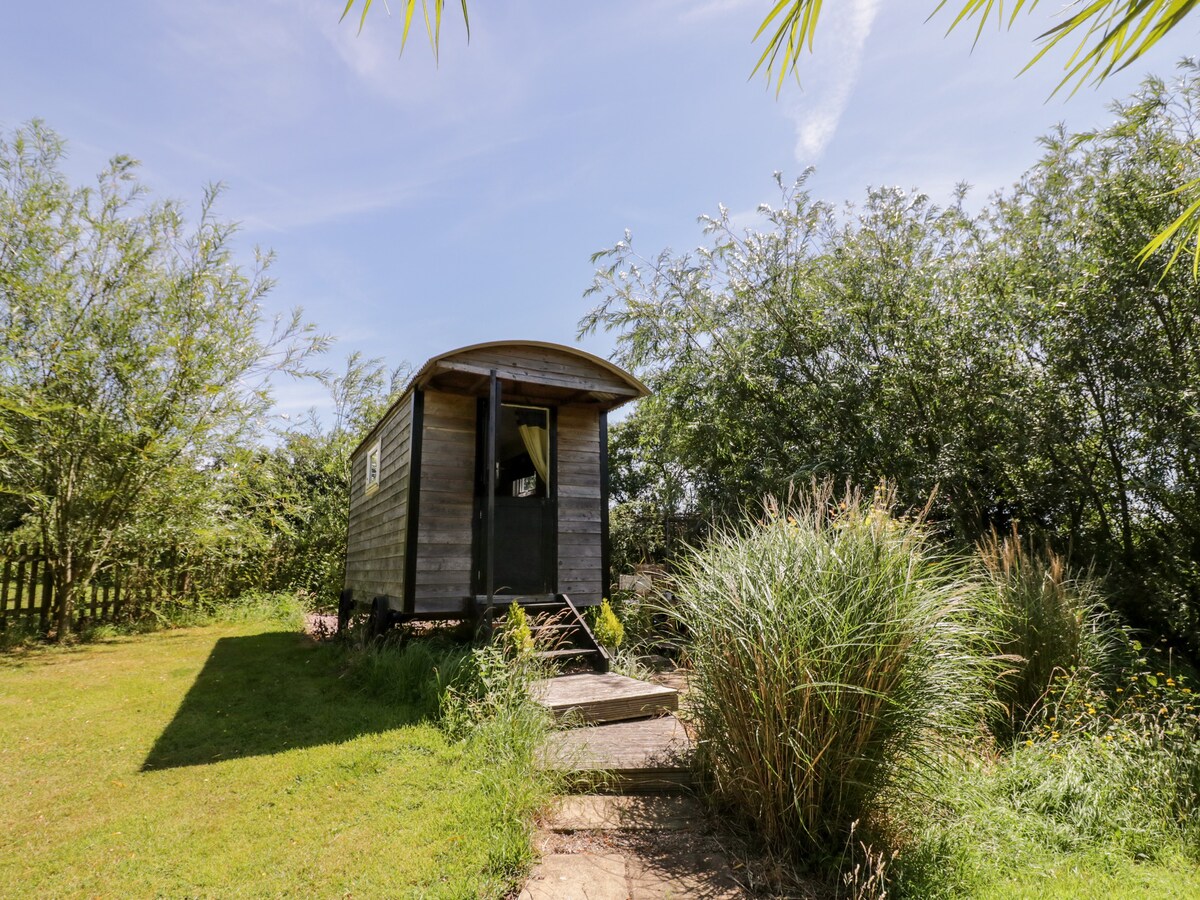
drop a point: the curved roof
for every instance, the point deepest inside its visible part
(427, 371)
(529, 369)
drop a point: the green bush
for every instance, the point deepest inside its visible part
(1052, 622)
(516, 634)
(418, 673)
(1106, 780)
(636, 535)
(835, 652)
(20, 633)
(607, 627)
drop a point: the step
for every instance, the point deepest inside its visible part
(566, 653)
(565, 626)
(624, 757)
(608, 697)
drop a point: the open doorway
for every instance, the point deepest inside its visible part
(525, 507)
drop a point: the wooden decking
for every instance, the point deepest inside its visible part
(642, 747)
(593, 698)
(642, 755)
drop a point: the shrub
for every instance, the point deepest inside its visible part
(636, 535)
(834, 653)
(516, 635)
(1053, 622)
(20, 634)
(1104, 774)
(607, 627)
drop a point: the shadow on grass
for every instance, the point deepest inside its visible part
(267, 693)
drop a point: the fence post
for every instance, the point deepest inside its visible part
(47, 596)
(21, 552)
(4, 592)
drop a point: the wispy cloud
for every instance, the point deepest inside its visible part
(829, 75)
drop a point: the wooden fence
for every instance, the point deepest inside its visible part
(27, 593)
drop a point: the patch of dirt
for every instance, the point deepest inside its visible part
(320, 626)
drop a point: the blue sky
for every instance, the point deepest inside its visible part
(417, 207)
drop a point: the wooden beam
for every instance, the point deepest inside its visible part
(532, 376)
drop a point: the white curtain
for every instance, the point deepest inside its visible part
(537, 445)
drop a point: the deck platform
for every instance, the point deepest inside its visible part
(591, 698)
(643, 755)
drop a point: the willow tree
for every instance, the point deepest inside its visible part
(133, 352)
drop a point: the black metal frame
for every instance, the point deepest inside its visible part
(416, 440)
(484, 535)
(605, 548)
(492, 418)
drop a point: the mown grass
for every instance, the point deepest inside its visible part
(236, 761)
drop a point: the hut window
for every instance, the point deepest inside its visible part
(373, 468)
(523, 452)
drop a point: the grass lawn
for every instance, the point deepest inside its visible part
(232, 761)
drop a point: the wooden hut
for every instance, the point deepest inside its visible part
(486, 481)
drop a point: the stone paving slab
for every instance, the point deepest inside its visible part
(673, 874)
(578, 876)
(604, 812)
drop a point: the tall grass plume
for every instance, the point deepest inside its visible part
(836, 653)
(1052, 622)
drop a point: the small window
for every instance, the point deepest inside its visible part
(373, 468)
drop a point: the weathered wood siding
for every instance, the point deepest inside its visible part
(579, 536)
(541, 365)
(447, 484)
(376, 532)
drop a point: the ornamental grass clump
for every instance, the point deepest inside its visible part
(836, 653)
(1053, 621)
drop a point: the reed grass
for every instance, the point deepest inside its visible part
(1052, 621)
(835, 652)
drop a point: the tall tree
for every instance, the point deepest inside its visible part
(133, 352)
(1019, 361)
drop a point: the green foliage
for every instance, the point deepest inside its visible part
(132, 354)
(607, 627)
(1105, 787)
(516, 635)
(434, 28)
(835, 653)
(1108, 35)
(416, 674)
(1054, 624)
(635, 535)
(20, 634)
(1111, 34)
(299, 493)
(1015, 364)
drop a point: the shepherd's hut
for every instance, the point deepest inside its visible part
(487, 481)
